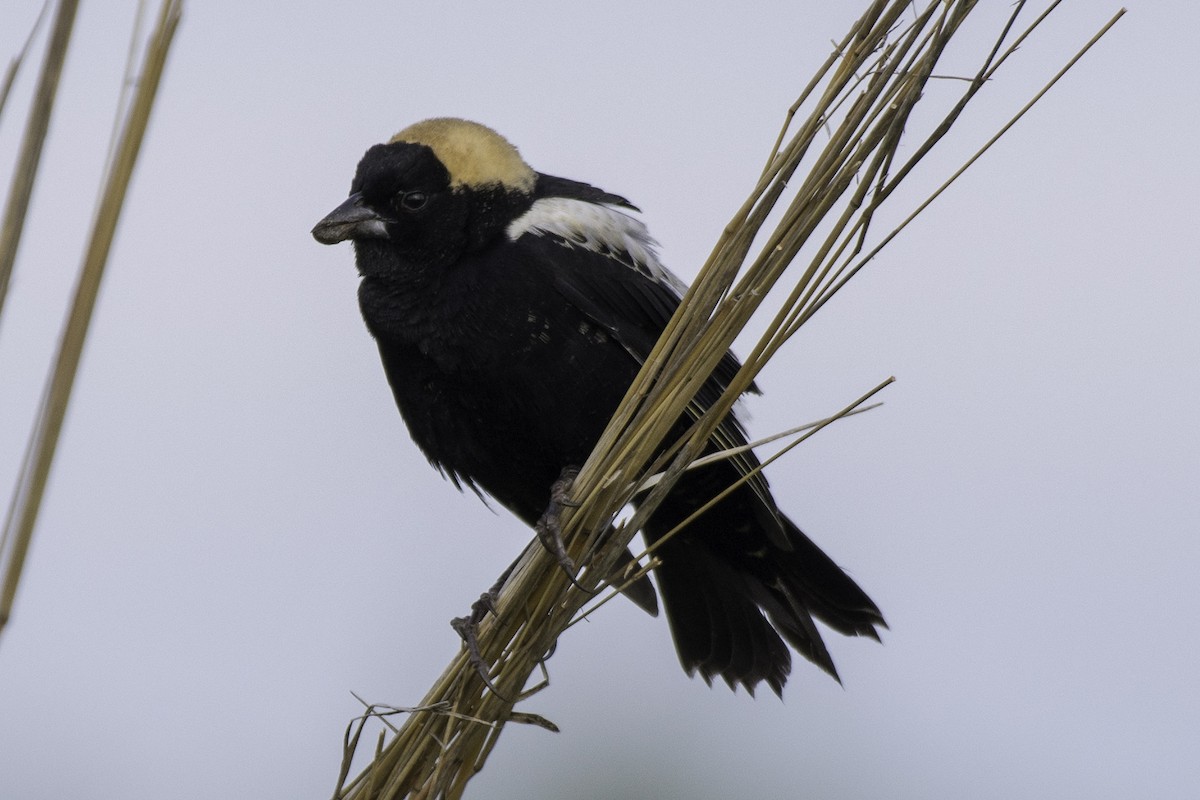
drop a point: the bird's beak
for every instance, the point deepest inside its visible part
(351, 220)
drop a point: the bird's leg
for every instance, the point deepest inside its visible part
(468, 627)
(549, 529)
(549, 533)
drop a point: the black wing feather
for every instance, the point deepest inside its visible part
(607, 287)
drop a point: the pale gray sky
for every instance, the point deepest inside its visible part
(239, 533)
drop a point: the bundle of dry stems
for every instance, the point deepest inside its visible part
(845, 128)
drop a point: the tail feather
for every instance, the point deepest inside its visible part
(718, 632)
(821, 586)
(734, 594)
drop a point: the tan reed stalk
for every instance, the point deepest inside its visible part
(35, 469)
(845, 128)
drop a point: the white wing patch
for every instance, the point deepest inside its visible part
(599, 228)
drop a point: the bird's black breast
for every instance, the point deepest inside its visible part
(501, 380)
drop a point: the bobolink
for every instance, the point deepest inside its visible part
(512, 310)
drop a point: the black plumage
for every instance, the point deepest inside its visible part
(512, 310)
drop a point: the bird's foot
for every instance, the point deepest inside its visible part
(468, 628)
(549, 529)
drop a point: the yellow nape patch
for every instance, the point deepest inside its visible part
(474, 154)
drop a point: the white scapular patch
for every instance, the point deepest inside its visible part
(599, 228)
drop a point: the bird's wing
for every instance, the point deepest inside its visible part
(616, 279)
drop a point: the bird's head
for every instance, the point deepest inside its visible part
(438, 189)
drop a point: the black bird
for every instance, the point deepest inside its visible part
(512, 310)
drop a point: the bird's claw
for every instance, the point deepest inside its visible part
(549, 529)
(468, 629)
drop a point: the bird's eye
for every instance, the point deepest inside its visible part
(413, 201)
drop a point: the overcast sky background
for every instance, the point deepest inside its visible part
(239, 533)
